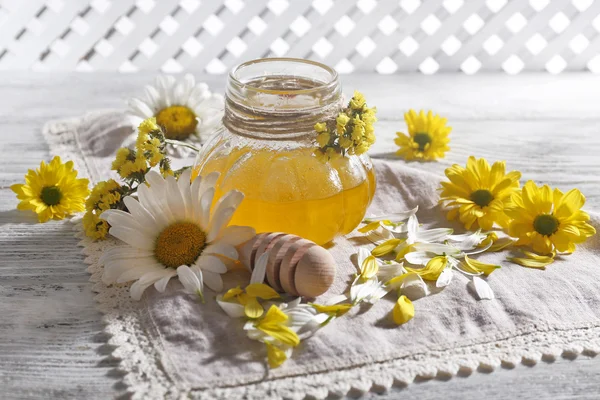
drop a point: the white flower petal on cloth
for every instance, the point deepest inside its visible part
(161, 284)
(361, 256)
(233, 310)
(418, 257)
(223, 249)
(433, 235)
(336, 299)
(370, 291)
(132, 237)
(437, 248)
(483, 290)
(412, 227)
(211, 263)
(379, 236)
(218, 221)
(213, 280)
(414, 287)
(113, 269)
(445, 278)
(140, 109)
(389, 271)
(123, 252)
(260, 269)
(466, 241)
(236, 235)
(190, 279)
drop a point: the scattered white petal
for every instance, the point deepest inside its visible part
(445, 278)
(260, 269)
(484, 291)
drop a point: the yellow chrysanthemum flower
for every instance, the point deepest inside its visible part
(478, 194)
(52, 191)
(427, 137)
(548, 220)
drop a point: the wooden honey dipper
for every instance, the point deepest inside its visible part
(295, 265)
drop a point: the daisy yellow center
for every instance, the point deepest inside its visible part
(546, 224)
(422, 140)
(179, 122)
(482, 197)
(51, 195)
(179, 244)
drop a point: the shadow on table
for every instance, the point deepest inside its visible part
(17, 217)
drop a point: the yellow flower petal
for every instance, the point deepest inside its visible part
(501, 244)
(371, 226)
(261, 290)
(533, 260)
(253, 309)
(404, 310)
(478, 266)
(232, 293)
(274, 316)
(387, 247)
(275, 356)
(336, 310)
(369, 267)
(433, 269)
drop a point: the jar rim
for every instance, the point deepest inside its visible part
(333, 80)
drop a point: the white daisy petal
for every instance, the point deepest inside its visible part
(132, 237)
(209, 181)
(218, 221)
(161, 284)
(137, 289)
(395, 217)
(231, 199)
(141, 214)
(154, 206)
(119, 252)
(213, 281)
(418, 257)
(121, 218)
(211, 263)
(233, 310)
(414, 287)
(362, 256)
(223, 249)
(445, 278)
(260, 269)
(190, 279)
(236, 235)
(154, 100)
(139, 108)
(205, 204)
(131, 273)
(484, 291)
(175, 199)
(433, 235)
(185, 188)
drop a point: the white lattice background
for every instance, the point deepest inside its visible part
(386, 36)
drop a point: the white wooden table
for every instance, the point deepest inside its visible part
(51, 340)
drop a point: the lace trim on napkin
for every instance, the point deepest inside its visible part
(145, 377)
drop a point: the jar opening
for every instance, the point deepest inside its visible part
(277, 75)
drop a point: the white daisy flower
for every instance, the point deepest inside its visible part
(186, 110)
(170, 231)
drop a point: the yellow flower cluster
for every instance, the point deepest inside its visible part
(148, 142)
(105, 195)
(352, 132)
(130, 165)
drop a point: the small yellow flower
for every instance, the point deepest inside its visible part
(427, 137)
(358, 101)
(346, 143)
(52, 191)
(548, 220)
(104, 196)
(477, 195)
(323, 138)
(129, 164)
(341, 121)
(95, 227)
(321, 127)
(249, 298)
(147, 126)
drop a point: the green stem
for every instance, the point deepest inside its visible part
(182, 144)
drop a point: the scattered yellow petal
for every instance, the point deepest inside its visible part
(433, 269)
(404, 310)
(253, 309)
(501, 244)
(273, 325)
(387, 247)
(533, 260)
(261, 290)
(232, 293)
(371, 226)
(369, 267)
(275, 356)
(335, 310)
(477, 266)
